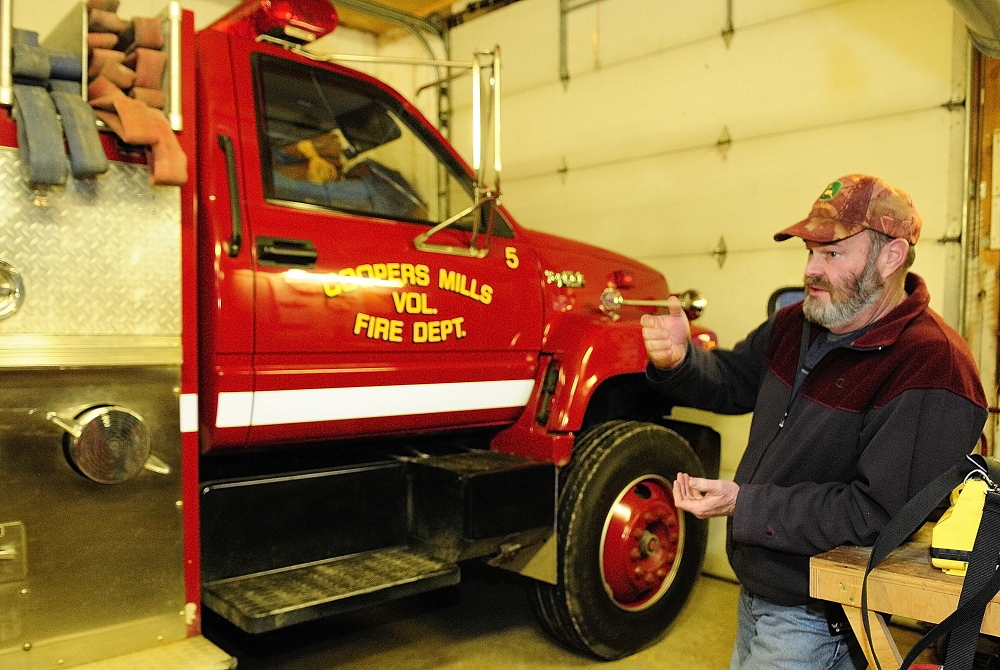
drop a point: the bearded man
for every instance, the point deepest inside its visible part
(861, 396)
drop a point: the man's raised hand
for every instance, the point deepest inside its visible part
(667, 335)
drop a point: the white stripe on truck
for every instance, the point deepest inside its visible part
(268, 408)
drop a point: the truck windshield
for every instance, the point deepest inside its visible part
(332, 141)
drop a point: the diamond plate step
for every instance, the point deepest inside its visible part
(269, 600)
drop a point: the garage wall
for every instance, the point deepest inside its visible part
(625, 154)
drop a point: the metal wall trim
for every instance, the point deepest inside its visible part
(22, 350)
(93, 645)
(6, 61)
(194, 653)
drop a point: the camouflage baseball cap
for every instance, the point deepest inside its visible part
(853, 203)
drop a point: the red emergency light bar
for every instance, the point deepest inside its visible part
(298, 21)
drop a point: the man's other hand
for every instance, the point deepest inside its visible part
(705, 497)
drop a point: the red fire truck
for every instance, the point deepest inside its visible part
(283, 399)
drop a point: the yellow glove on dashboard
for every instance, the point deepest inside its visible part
(319, 170)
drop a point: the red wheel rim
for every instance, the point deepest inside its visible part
(642, 543)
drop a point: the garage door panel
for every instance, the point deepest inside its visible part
(848, 61)
(680, 204)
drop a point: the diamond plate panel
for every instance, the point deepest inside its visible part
(102, 257)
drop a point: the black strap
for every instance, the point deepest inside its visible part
(978, 603)
(976, 593)
(980, 578)
(804, 343)
(801, 372)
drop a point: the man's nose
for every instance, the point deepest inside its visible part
(813, 265)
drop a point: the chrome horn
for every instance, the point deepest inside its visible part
(612, 300)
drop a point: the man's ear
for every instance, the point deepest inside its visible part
(893, 256)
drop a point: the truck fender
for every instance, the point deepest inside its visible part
(590, 350)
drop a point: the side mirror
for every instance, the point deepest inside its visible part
(783, 297)
(484, 213)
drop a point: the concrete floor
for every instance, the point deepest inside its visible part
(485, 622)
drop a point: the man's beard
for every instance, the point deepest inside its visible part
(846, 303)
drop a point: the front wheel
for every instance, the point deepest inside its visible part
(627, 557)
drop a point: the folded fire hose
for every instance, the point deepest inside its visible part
(124, 78)
(44, 116)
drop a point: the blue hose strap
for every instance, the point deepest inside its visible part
(64, 65)
(86, 154)
(39, 136)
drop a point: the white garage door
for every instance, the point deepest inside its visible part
(625, 154)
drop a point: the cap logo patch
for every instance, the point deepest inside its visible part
(831, 190)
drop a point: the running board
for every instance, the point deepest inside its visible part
(274, 599)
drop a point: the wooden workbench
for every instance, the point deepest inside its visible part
(905, 584)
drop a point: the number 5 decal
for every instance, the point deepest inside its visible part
(511, 255)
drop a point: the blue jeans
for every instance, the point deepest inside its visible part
(775, 637)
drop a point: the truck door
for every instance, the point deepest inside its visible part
(357, 332)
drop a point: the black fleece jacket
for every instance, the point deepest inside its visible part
(875, 421)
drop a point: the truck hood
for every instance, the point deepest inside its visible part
(598, 266)
(573, 275)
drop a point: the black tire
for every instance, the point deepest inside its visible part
(603, 605)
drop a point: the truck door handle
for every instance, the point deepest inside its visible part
(236, 237)
(283, 251)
